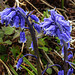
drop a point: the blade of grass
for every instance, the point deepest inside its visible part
(62, 5)
(31, 66)
(12, 69)
(31, 73)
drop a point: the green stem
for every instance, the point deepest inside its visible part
(62, 5)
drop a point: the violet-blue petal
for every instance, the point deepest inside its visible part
(61, 72)
(22, 22)
(16, 21)
(64, 37)
(22, 37)
(22, 10)
(70, 71)
(20, 61)
(34, 17)
(37, 27)
(70, 56)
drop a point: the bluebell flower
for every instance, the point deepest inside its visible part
(34, 17)
(70, 56)
(16, 21)
(13, 17)
(57, 26)
(22, 22)
(61, 72)
(70, 71)
(20, 61)
(22, 10)
(22, 37)
(37, 27)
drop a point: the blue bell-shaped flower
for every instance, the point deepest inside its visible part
(22, 37)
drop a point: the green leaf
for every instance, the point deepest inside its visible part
(49, 71)
(44, 48)
(17, 34)
(8, 42)
(15, 50)
(8, 30)
(14, 72)
(31, 73)
(1, 40)
(31, 66)
(4, 57)
(1, 34)
(3, 49)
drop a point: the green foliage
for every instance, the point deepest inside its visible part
(15, 50)
(3, 49)
(44, 48)
(57, 48)
(1, 34)
(31, 66)
(58, 40)
(31, 73)
(8, 42)
(3, 57)
(8, 30)
(17, 34)
(49, 71)
(14, 72)
(46, 14)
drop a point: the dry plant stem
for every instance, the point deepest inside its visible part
(20, 52)
(34, 8)
(9, 73)
(49, 60)
(72, 2)
(65, 58)
(52, 6)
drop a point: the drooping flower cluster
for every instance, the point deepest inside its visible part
(12, 17)
(57, 26)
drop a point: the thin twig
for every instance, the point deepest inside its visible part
(35, 8)
(20, 52)
(52, 6)
(49, 60)
(9, 73)
(72, 2)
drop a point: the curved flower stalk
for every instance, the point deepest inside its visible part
(20, 61)
(61, 72)
(19, 21)
(50, 67)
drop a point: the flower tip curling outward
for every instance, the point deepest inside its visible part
(37, 27)
(22, 37)
(20, 61)
(70, 71)
(34, 17)
(70, 56)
